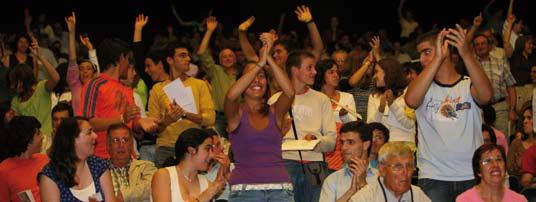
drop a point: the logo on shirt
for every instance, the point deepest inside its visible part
(449, 108)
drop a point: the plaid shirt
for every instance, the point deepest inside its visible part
(498, 72)
(119, 176)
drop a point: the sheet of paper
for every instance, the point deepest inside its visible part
(292, 145)
(182, 95)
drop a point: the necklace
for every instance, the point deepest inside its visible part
(187, 178)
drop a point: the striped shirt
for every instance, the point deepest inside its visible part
(104, 97)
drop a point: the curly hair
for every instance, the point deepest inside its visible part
(62, 153)
(21, 73)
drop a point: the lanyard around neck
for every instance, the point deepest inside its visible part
(385, 195)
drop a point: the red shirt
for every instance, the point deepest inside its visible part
(104, 97)
(17, 175)
(528, 165)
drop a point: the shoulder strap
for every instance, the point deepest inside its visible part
(174, 182)
(296, 137)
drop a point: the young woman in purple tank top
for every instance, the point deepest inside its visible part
(255, 134)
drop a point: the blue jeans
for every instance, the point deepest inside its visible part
(444, 191)
(276, 195)
(305, 188)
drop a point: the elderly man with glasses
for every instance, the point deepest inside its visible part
(394, 184)
(131, 178)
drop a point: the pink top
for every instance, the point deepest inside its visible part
(73, 80)
(501, 139)
(472, 195)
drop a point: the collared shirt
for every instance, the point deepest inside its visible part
(498, 72)
(336, 184)
(119, 176)
(377, 191)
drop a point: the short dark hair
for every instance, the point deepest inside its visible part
(21, 130)
(477, 157)
(159, 56)
(379, 126)
(110, 51)
(192, 137)
(295, 58)
(322, 67)
(116, 126)
(63, 106)
(365, 133)
(172, 46)
(429, 36)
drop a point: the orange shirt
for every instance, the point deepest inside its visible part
(104, 97)
(17, 175)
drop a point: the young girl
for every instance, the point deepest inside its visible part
(327, 80)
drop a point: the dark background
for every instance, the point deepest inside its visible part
(116, 18)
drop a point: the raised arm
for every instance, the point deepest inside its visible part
(141, 21)
(51, 70)
(358, 75)
(71, 26)
(211, 26)
(418, 87)
(510, 8)
(138, 50)
(283, 104)
(477, 21)
(399, 10)
(481, 89)
(92, 53)
(245, 45)
(304, 15)
(507, 32)
(231, 103)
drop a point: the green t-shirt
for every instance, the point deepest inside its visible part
(38, 106)
(141, 89)
(219, 79)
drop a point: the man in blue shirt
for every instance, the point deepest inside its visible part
(356, 140)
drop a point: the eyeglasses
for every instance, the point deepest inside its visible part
(490, 160)
(397, 167)
(122, 140)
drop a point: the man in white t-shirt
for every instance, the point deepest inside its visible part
(310, 111)
(448, 114)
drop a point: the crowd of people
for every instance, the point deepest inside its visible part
(441, 115)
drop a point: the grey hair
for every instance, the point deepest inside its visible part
(392, 149)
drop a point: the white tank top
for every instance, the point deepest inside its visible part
(175, 190)
(85, 193)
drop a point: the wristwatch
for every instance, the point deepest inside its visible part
(183, 116)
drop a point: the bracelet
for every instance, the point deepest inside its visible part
(310, 21)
